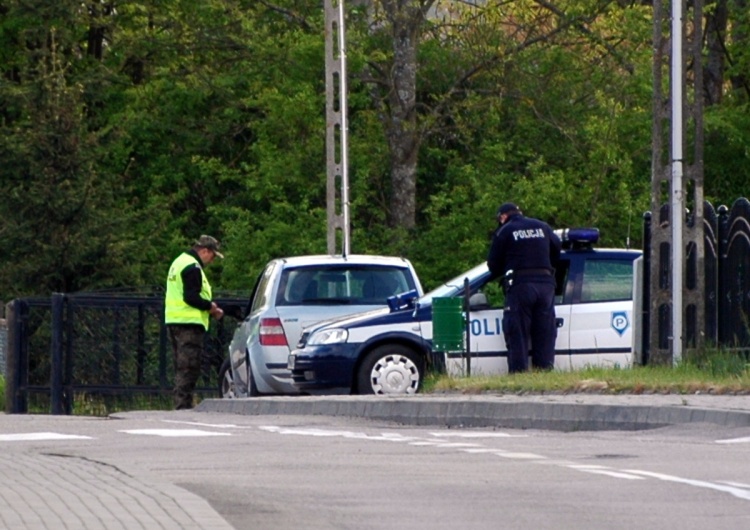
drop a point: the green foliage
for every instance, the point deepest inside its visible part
(717, 363)
(67, 221)
(125, 133)
(727, 156)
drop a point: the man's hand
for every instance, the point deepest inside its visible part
(216, 311)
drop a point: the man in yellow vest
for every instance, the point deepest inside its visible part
(187, 308)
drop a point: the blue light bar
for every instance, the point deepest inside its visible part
(578, 237)
(402, 300)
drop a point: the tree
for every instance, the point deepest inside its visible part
(66, 218)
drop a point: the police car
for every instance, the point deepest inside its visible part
(388, 351)
(295, 292)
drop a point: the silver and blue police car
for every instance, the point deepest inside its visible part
(388, 351)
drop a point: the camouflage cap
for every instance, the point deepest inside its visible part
(211, 243)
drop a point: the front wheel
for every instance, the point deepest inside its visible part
(390, 369)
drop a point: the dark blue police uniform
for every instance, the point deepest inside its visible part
(530, 249)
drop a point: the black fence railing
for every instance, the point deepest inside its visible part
(726, 278)
(98, 344)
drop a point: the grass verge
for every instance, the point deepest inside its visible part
(708, 373)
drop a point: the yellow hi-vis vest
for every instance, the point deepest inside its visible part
(176, 311)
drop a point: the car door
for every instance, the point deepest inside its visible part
(601, 315)
(487, 352)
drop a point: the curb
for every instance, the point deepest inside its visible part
(459, 412)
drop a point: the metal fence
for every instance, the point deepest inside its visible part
(726, 275)
(3, 345)
(93, 344)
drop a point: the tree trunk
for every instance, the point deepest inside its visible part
(713, 73)
(402, 129)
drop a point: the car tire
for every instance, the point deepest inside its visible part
(390, 369)
(226, 381)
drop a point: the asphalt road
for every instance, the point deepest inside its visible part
(198, 469)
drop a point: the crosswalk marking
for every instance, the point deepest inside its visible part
(40, 436)
(175, 433)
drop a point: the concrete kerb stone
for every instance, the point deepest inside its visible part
(486, 413)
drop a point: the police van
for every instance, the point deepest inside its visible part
(387, 351)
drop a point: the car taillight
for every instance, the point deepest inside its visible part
(272, 332)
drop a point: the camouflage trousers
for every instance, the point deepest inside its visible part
(187, 346)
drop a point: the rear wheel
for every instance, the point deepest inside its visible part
(226, 381)
(390, 369)
(227, 388)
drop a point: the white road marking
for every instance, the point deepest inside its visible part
(737, 484)
(457, 445)
(176, 433)
(743, 440)
(216, 425)
(478, 435)
(482, 450)
(40, 436)
(386, 437)
(737, 492)
(602, 470)
(520, 456)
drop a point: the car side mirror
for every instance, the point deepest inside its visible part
(478, 301)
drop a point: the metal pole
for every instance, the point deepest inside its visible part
(468, 326)
(344, 132)
(337, 130)
(677, 206)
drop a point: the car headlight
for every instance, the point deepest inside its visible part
(328, 336)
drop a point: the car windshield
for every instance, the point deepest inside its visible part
(346, 284)
(455, 286)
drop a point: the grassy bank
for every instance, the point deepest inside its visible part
(709, 373)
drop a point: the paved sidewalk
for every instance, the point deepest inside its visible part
(565, 412)
(52, 491)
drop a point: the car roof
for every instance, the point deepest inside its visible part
(603, 251)
(457, 283)
(351, 259)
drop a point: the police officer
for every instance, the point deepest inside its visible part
(524, 253)
(187, 309)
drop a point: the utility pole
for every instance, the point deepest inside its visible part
(676, 187)
(337, 162)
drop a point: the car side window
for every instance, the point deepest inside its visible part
(376, 285)
(262, 291)
(561, 280)
(607, 280)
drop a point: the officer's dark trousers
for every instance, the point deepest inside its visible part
(187, 346)
(529, 326)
